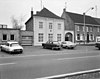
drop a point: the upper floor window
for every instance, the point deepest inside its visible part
(50, 25)
(83, 28)
(87, 29)
(91, 29)
(40, 25)
(40, 37)
(98, 29)
(77, 28)
(59, 26)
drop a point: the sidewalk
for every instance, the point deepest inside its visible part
(87, 44)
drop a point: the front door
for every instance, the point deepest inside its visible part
(68, 37)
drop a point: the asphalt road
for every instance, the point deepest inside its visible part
(38, 62)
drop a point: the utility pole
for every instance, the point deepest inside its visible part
(96, 10)
(41, 4)
(65, 5)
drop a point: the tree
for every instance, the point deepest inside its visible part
(17, 23)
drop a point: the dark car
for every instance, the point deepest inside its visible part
(52, 45)
(97, 44)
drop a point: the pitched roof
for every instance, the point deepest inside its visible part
(97, 19)
(46, 13)
(78, 18)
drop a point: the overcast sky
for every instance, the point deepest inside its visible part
(22, 8)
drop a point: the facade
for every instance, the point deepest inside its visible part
(46, 26)
(26, 38)
(78, 31)
(8, 34)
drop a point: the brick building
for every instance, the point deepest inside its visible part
(75, 30)
(9, 34)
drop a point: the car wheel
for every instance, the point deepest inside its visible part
(1, 49)
(52, 48)
(21, 52)
(44, 47)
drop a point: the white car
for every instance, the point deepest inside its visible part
(12, 47)
(68, 44)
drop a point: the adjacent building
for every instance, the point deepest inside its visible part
(8, 34)
(46, 26)
(77, 31)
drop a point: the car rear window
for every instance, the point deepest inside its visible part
(14, 44)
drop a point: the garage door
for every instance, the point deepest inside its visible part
(27, 40)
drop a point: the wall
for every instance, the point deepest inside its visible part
(46, 29)
(9, 32)
(29, 25)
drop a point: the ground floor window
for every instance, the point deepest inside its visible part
(50, 37)
(4, 37)
(58, 37)
(91, 36)
(40, 37)
(78, 36)
(12, 37)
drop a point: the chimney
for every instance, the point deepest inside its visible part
(31, 12)
(64, 10)
(37, 12)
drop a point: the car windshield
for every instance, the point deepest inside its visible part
(69, 42)
(55, 42)
(14, 44)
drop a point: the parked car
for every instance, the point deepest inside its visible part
(12, 47)
(52, 45)
(68, 44)
(97, 44)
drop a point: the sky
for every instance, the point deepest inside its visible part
(22, 8)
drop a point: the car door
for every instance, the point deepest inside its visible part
(6, 47)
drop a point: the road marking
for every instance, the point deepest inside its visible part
(69, 74)
(38, 55)
(77, 57)
(7, 64)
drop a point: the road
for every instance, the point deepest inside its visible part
(49, 63)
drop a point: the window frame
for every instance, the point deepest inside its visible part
(3, 37)
(11, 37)
(50, 25)
(58, 37)
(50, 37)
(40, 25)
(59, 26)
(40, 37)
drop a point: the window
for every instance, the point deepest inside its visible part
(59, 26)
(4, 37)
(50, 25)
(78, 36)
(87, 29)
(98, 29)
(12, 37)
(40, 25)
(91, 29)
(91, 37)
(58, 37)
(50, 37)
(77, 28)
(40, 37)
(1, 26)
(83, 28)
